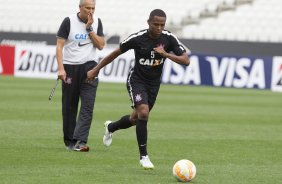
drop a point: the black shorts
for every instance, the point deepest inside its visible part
(141, 92)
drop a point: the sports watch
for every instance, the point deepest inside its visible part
(89, 30)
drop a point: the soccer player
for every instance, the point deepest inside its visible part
(77, 39)
(151, 46)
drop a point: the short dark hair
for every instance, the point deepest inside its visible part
(157, 12)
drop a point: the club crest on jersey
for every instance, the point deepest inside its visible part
(161, 45)
(138, 97)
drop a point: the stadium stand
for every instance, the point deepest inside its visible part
(258, 21)
(237, 20)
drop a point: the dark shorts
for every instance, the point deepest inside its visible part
(141, 92)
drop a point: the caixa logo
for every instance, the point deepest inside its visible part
(237, 72)
(80, 36)
(32, 61)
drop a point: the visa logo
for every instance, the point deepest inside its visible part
(239, 73)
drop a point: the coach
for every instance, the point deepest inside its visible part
(77, 39)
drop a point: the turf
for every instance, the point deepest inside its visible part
(232, 135)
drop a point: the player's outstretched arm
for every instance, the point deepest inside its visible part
(108, 59)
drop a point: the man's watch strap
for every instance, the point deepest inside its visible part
(89, 30)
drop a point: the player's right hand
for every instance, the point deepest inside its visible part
(91, 74)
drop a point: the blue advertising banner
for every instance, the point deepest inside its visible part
(224, 71)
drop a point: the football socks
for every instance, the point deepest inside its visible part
(123, 123)
(141, 133)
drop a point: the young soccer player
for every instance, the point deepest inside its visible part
(152, 46)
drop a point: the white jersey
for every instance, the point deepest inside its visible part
(78, 48)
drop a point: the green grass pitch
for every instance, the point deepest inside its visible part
(234, 136)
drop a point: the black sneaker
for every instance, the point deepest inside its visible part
(81, 146)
